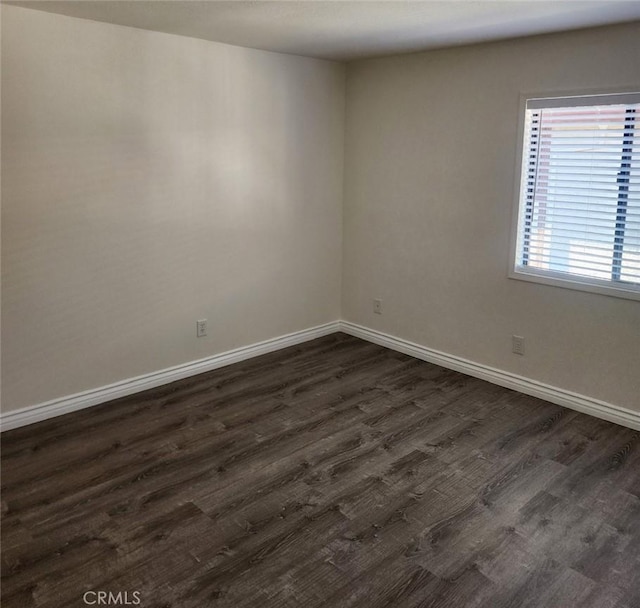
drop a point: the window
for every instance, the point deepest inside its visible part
(579, 196)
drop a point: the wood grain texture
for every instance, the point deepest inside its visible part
(331, 474)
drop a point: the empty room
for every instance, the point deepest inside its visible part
(320, 304)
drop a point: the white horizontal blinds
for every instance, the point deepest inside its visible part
(580, 195)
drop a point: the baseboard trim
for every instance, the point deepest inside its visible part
(574, 401)
(64, 405)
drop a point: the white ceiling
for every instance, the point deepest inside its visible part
(345, 30)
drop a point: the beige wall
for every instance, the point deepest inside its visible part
(429, 167)
(150, 180)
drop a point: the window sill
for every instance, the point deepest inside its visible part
(579, 284)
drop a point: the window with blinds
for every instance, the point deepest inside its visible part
(579, 206)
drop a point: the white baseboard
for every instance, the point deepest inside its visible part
(71, 403)
(574, 401)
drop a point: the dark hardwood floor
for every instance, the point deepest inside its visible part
(331, 474)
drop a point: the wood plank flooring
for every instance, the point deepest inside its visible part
(331, 474)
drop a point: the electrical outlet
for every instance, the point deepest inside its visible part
(517, 345)
(201, 328)
(377, 306)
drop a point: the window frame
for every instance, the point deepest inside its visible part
(549, 277)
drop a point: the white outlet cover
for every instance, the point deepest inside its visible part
(201, 328)
(517, 345)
